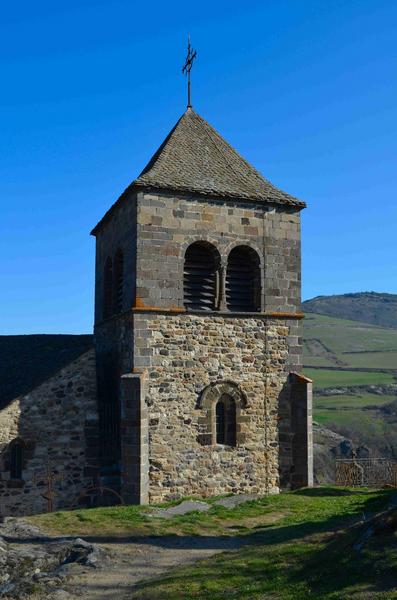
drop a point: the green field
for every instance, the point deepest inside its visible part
(342, 401)
(323, 378)
(368, 423)
(343, 344)
(377, 360)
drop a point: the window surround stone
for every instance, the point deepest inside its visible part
(207, 402)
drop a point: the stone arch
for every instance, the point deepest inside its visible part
(197, 238)
(215, 390)
(243, 280)
(201, 276)
(231, 245)
(235, 402)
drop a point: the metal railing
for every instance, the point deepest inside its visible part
(366, 472)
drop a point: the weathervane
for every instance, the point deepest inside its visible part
(187, 67)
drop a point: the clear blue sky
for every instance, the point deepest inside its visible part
(305, 90)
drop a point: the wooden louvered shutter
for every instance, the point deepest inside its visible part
(243, 280)
(201, 277)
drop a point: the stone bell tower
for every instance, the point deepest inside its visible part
(198, 327)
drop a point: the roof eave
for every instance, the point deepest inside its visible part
(110, 211)
(287, 199)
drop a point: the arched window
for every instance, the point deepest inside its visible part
(201, 277)
(243, 280)
(108, 288)
(118, 279)
(16, 460)
(225, 426)
(220, 422)
(224, 420)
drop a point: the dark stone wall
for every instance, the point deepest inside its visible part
(154, 230)
(118, 233)
(302, 427)
(167, 224)
(28, 360)
(57, 424)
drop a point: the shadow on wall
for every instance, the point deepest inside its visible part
(49, 436)
(295, 433)
(28, 360)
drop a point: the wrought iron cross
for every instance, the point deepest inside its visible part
(187, 67)
(50, 476)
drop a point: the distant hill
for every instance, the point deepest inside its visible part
(28, 360)
(367, 307)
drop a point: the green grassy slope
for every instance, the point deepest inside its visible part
(341, 339)
(325, 379)
(290, 546)
(358, 355)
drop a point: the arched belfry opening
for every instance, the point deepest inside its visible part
(201, 277)
(243, 280)
(118, 284)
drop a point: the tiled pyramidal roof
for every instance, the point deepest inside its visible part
(195, 158)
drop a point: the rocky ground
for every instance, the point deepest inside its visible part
(32, 563)
(328, 446)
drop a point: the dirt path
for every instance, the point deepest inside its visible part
(132, 560)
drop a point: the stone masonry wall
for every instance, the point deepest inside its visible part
(57, 423)
(167, 224)
(156, 337)
(184, 354)
(119, 233)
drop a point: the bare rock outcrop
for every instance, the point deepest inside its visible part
(33, 562)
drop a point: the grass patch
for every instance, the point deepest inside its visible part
(322, 378)
(357, 402)
(375, 360)
(312, 360)
(116, 520)
(219, 520)
(300, 557)
(363, 423)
